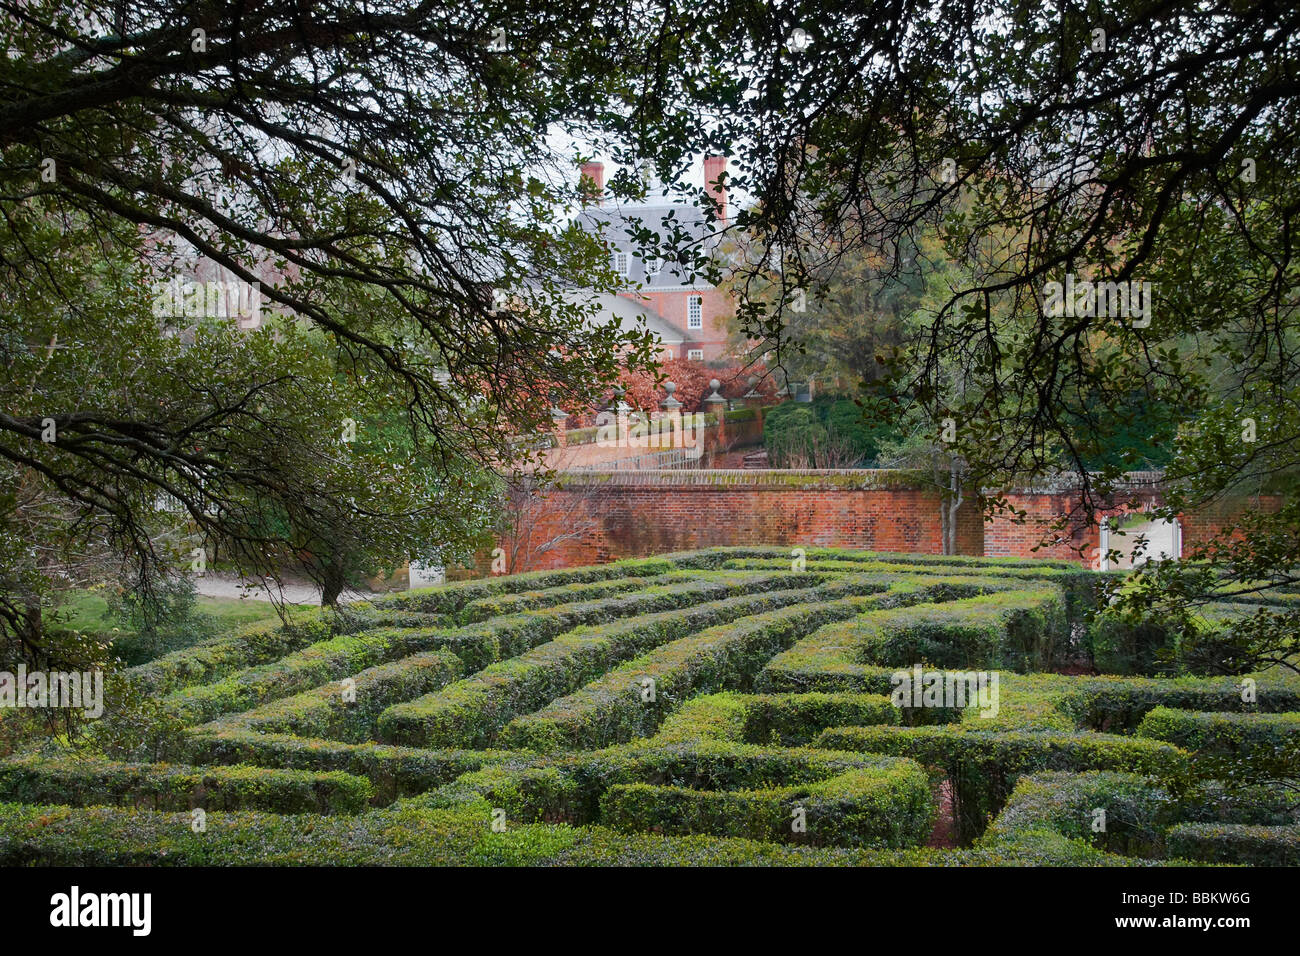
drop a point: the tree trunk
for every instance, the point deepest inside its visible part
(953, 509)
(332, 583)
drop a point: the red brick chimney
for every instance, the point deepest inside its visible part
(714, 167)
(595, 172)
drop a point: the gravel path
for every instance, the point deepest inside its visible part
(229, 586)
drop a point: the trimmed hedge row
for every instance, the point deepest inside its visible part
(716, 556)
(885, 805)
(1235, 843)
(618, 706)
(1231, 734)
(327, 712)
(263, 643)
(500, 605)
(786, 720)
(1140, 818)
(211, 660)
(681, 786)
(300, 671)
(470, 712)
(1120, 703)
(451, 598)
(479, 645)
(1069, 804)
(89, 782)
(1121, 646)
(1013, 629)
(394, 771)
(1082, 587)
(62, 836)
(983, 767)
(476, 644)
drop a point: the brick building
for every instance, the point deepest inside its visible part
(688, 317)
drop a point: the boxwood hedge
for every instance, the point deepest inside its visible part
(88, 782)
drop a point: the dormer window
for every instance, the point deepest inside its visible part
(618, 261)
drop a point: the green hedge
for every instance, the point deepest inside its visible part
(88, 782)
(476, 644)
(451, 598)
(1119, 704)
(211, 660)
(983, 767)
(576, 788)
(611, 709)
(394, 771)
(60, 836)
(300, 671)
(1007, 629)
(470, 712)
(326, 711)
(1235, 843)
(780, 719)
(1119, 645)
(1232, 734)
(1142, 819)
(885, 805)
(499, 605)
(263, 643)
(1067, 803)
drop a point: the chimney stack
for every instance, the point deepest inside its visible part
(714, 167)
(595, 172)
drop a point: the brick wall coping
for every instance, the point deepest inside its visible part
(795, 478)
(879, 479)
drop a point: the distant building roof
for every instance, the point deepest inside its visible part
(661, 216)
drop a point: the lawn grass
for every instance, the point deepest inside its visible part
(86, 610)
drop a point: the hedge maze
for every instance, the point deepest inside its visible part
(725, 706)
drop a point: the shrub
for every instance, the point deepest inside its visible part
(886, 805)
(1071, 804)
(858, 800)
(394, 771)
(618, 706)
(983, 767)
(1230, 734)
(1235, 843)
(87, 782)
(779, 719)
(1119, 704)
(1011, 629)
(350, 713)
(471, 712)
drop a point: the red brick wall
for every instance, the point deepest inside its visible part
(643, 513)
(717, 310)
(597, 518)
(1077, 540)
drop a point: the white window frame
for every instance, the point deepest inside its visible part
(618, 261)
(695, 355)
(695, 311)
